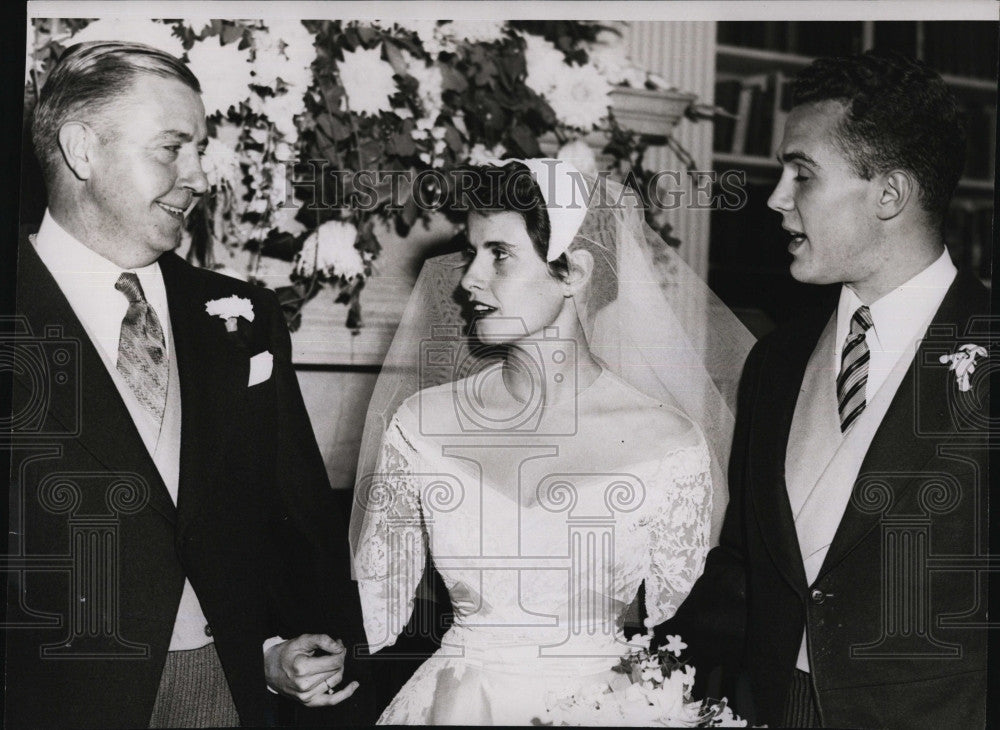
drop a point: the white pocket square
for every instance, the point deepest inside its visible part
(260, 367)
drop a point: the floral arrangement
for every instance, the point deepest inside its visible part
(353, 98)
(650, 688)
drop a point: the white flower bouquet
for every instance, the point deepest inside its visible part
(647, 689)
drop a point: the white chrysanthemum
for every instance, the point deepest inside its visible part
(581, 97)
(283, 219)
(608, 56)
(367, 80)
(580, 155)
(132, 30)
(224, 73)
(228, 133)
(286, 50)
(277, 186)
(281, 110)
(473, 31)
(480, 154)
(423, 129)
(430, 82)
(330, 250)
(220, 163)
(545, 64)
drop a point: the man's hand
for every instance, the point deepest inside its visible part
(308, 669)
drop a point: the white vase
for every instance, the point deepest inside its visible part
(653, 112)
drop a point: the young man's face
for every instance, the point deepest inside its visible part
(829, 210)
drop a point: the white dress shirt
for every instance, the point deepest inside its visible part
(898, 318)
(87, 279)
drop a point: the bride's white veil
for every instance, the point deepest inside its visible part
(646, 315)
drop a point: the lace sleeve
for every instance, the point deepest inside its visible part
(390, 558)
(678, 530)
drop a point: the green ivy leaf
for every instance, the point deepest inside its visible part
(351, 39)
(406, 217)
(367, 34)
(452, 80)
(403, 145)
(525, 141)
(231, 33)
(333, 127)
(453, 139)
(394, 57)
(487, 72)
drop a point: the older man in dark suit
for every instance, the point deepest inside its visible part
(180, 552)
(849, 584)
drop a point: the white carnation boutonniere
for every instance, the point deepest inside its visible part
(230, 309)
(963, 363)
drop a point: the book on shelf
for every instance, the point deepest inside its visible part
(727, 95)
(782, 104)
(761, 103)
(748, 114)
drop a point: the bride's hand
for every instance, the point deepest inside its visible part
(293, 668)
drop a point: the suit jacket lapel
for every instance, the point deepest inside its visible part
(785, 369)
(94, 411)
(908, 438)
(212, 368)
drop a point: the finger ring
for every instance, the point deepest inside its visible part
(329, 687)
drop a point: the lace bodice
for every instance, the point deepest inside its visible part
(539, 548)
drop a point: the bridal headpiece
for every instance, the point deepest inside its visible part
(565, 194)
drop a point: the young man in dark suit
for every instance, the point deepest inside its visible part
(180, 552)
(849, 586)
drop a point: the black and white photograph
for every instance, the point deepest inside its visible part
(500, 364)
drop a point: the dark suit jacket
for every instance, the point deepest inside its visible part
(892, 616)
(256, 529)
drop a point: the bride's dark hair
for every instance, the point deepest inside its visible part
(511, 188)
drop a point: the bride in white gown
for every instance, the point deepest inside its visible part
(568, 453)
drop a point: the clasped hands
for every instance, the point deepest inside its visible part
(308, 668)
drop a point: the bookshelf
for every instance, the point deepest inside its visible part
(754, 64)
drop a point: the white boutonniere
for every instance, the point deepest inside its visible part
(229, 309)
(963, 362)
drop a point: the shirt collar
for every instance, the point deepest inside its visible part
(87, 279)
(901, 315)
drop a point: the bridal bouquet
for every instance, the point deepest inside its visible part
(649, 688)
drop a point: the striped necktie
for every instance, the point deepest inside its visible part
(854, 370)
(142, 356)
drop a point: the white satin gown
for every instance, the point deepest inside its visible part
(543, 522)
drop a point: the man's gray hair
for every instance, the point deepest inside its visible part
(87, 80)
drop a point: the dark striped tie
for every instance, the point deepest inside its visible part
(854, 370)
(142, 356)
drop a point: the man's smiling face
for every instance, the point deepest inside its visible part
(146, 168)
